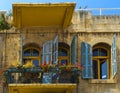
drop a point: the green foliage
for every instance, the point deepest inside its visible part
(3, 23)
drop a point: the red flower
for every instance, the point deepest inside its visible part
(78, 65)
(45, 63)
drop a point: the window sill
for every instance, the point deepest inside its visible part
(114, 80)
(103, 81)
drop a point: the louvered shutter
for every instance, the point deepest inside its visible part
(47, 52)
(55, 50)
(86, 58)
(73, 48)
(114, 59)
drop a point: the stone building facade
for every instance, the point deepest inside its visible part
(98, 31)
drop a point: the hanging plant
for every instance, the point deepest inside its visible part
(47, 67)
(29, 64)
(78, 66)
(70, 68)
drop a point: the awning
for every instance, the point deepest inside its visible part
(43, 15)
(41, 88)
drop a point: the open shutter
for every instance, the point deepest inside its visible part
(114, 59)
(55, 50)
(86, 56)
(73, 48)
(47, 52)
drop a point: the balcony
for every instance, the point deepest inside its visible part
(47, 74)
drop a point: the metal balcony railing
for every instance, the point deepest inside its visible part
(102, 11)
(38, 75)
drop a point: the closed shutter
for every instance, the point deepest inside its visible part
(73, 48)
(86, 56)
(47, 52)
(114, 59)
(55, 50)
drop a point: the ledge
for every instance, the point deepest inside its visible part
(103, 81)
(99, 81)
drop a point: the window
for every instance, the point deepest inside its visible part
(31, 54)
(50, 51)
(59, 53)
(35, 52)
(47, 52)
(100, 52)
(27, 52)
(100, 61)
(63, 54)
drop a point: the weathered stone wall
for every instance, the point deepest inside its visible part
(42, 35)
(2, 50)
(11, 47)
(85, 22)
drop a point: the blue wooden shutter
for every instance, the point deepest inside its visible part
(86, 56)
(47, 52)
(73, 48)
(114, 59)
(55, 50)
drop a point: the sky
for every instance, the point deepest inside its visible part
(7, 4)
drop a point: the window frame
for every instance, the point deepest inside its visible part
(97, 58)
(64, 57)
(31, 57)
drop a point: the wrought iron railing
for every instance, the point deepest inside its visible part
(38, 75)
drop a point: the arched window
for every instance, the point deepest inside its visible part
(101, 61)
(31, 54)
(63, 54)
(100, 52)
